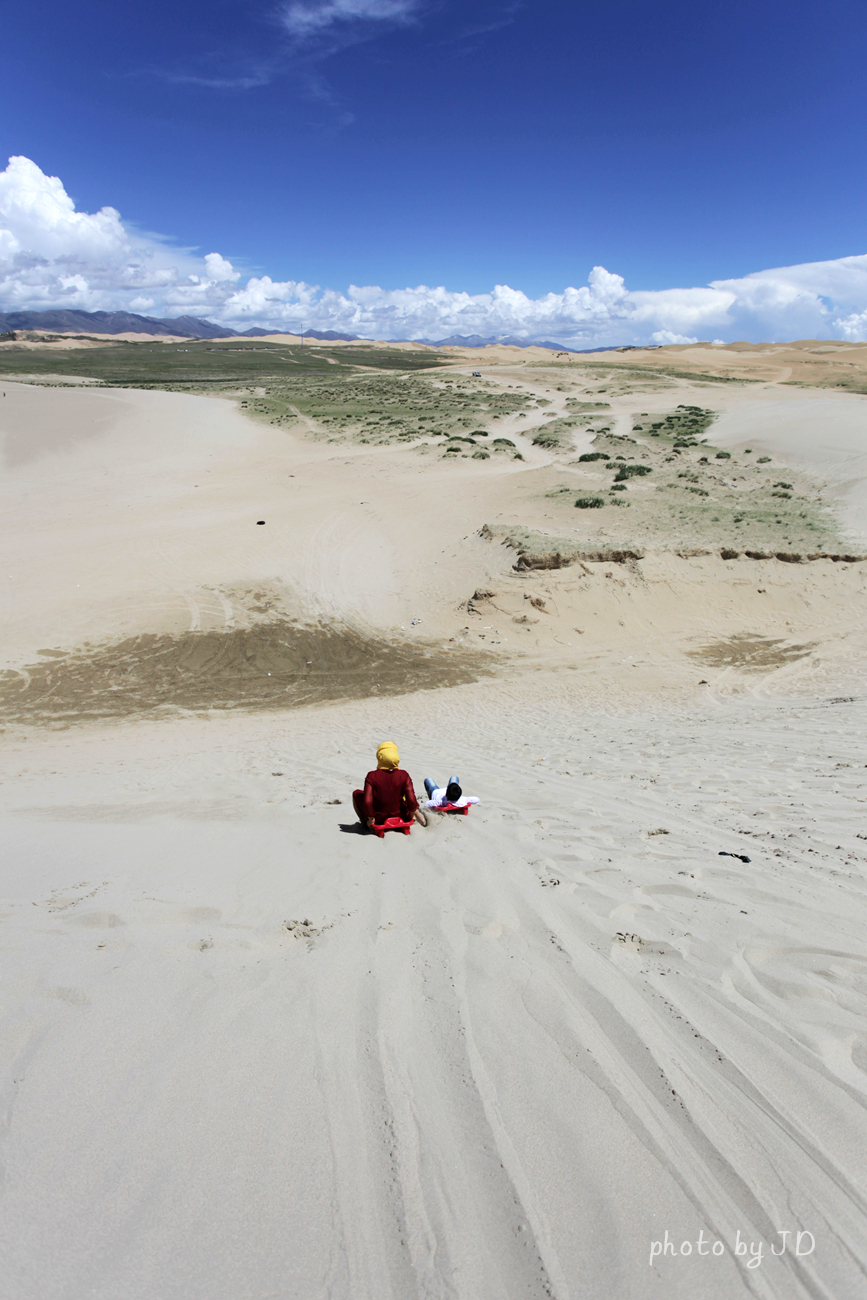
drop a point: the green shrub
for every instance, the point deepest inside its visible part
(763, 460)
(502, 442)
(481, 455)
(589, 503)
(594, 455)
(618, 487)
(723, 455)
(550, 437)
(631, 471)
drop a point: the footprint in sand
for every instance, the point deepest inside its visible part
(97, 920)
(306, 929)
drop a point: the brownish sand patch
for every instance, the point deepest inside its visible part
(274, 665)
(752, 653)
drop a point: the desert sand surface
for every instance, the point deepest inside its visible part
(62, 343)
(251, 1051)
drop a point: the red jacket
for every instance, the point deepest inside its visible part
(389, 794)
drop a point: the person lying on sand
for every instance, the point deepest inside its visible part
(437, 795)
(387, 792)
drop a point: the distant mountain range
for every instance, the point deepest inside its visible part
(193, 327)
(506, 340)
(127, 322)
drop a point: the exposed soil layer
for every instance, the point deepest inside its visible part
(274, 665)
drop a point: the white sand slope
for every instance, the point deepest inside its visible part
(499, 1058)
(250, 1052)
(825, 435)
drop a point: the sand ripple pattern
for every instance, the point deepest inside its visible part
(254, 1054)
(271, 665)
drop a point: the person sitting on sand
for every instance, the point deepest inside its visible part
(452, 794)
(387, 792)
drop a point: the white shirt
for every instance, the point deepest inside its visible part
(439, 797)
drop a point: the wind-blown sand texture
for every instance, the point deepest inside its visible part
(251, 1052)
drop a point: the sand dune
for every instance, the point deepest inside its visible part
(249, 1051)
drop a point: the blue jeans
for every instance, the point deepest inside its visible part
(430, 785)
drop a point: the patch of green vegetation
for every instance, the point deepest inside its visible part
(631, 471)
(206, 364)
(373, 394)
(556, 435)
(702, 378)
(589, 503)
(618, 379)
(385, 408)
(848, 383)
(699, 500)
(684, 426)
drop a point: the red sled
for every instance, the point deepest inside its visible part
(455, 808)
(392, 824)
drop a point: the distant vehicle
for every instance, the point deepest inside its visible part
(477, 374)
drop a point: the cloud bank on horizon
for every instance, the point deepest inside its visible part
(52, 256)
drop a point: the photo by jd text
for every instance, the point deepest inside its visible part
(801, 1243)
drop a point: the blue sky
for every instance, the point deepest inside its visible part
(400, 143)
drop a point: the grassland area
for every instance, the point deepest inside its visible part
(193, 365)
(681, 490)
(613, 475)
(375, 395)
(381, 409)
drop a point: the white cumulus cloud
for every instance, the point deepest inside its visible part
(52, 255)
